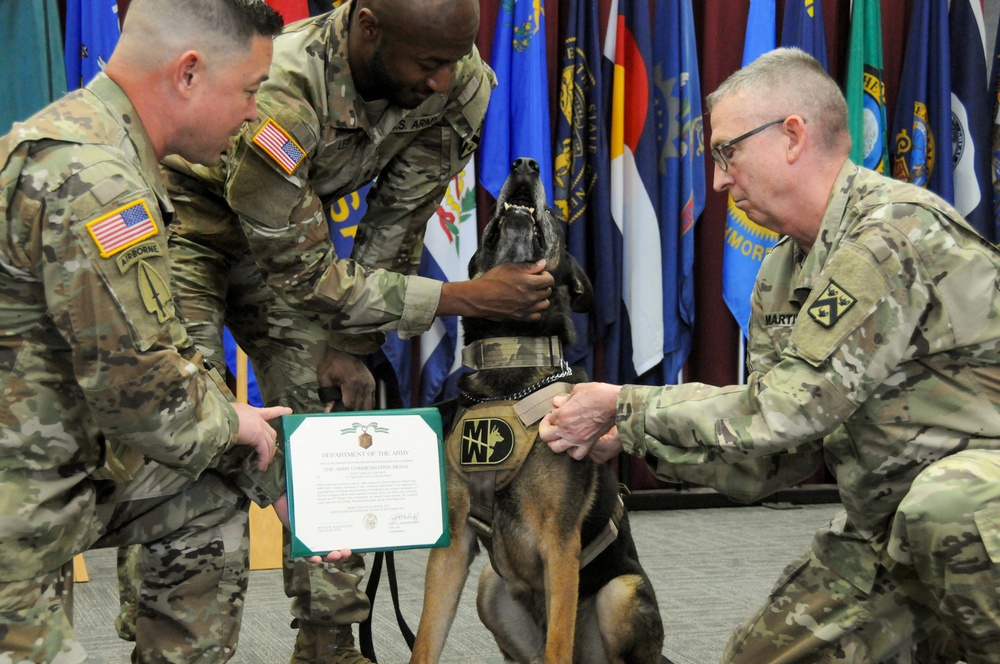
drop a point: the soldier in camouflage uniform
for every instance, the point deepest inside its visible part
(113, 429)
(875, 348)
(392, 90)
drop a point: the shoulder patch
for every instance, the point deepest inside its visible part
(470, 144)
(831, 305)
(280, 145)
(122, 228)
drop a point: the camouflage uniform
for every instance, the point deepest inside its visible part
(91, 352)
(878, 352)
(276, 232)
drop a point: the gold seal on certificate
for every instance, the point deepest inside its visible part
(366, 481)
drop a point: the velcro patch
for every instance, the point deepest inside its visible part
(279, 144)
(831, 305)
(489, 437)
(486, 441)
(122, 228)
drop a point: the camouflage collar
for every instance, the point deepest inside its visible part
(117, 102)
(513, 352)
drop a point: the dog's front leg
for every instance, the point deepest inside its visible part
(447, 570)
(562, 585)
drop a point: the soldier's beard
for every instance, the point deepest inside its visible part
(396, 92)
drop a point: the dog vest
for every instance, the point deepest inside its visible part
(490, 440)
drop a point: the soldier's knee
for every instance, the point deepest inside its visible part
(953, 488)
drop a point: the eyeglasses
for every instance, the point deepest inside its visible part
(721, 159)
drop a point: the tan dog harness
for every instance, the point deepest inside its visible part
(490, 440)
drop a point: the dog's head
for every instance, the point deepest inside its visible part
(524, 229)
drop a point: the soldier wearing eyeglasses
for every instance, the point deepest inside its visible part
(874, 348)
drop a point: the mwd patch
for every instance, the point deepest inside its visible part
(486, 441)
(489, 437)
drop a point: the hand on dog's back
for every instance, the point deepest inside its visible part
(509, 291)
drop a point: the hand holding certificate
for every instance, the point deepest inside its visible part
(371, 480)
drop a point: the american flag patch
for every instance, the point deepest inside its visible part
(122, 228)
(276, 142)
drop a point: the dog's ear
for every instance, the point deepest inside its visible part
(581, 291)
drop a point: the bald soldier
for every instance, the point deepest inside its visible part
(112, 425)
(874, 350)
(390, 90)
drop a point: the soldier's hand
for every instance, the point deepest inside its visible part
(281, 509)
(583, 423)
(255, 430)
(345, 371)
(510, 291)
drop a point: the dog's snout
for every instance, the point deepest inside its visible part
(525, 163)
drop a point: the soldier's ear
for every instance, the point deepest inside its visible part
(187, 69)
(368, 23)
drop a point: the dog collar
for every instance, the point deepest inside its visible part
(512, 352)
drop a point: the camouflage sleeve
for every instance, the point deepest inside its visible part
(745, 481)
(288, 235)
(832, 364)
(748, 480)
(110, 301)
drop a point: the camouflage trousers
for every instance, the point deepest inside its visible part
(196, 607)
(937, 599)
(285, 347)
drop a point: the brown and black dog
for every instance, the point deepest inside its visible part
(545, 596)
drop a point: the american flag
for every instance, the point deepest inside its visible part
(122, 228)
(277, 143)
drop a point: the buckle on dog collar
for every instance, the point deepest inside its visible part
(513, 352)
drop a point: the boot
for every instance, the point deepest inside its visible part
(321, 644)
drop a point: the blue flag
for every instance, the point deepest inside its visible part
(581, 179)
(92, 31)
(681, 142)
(231, 349)
(802, 26)
(970, 109)
(746, 243)
(517, 120)
(921, 137)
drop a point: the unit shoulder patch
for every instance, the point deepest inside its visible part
(471, 144)
(831, 305)
(122, 228)
(279, 145)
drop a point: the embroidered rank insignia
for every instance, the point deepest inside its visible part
(122, 228)
(486, 442)
(277, 143)
(831, 305)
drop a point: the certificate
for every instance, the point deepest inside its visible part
(366, 481)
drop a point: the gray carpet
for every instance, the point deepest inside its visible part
(711, 568)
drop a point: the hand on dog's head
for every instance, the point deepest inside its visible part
(524, 229)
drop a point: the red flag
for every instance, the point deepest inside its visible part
(290, 10)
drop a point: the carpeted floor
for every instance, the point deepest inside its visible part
(711, 568)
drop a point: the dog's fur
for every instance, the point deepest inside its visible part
(537, 602)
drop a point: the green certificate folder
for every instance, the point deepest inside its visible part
(366, 481)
